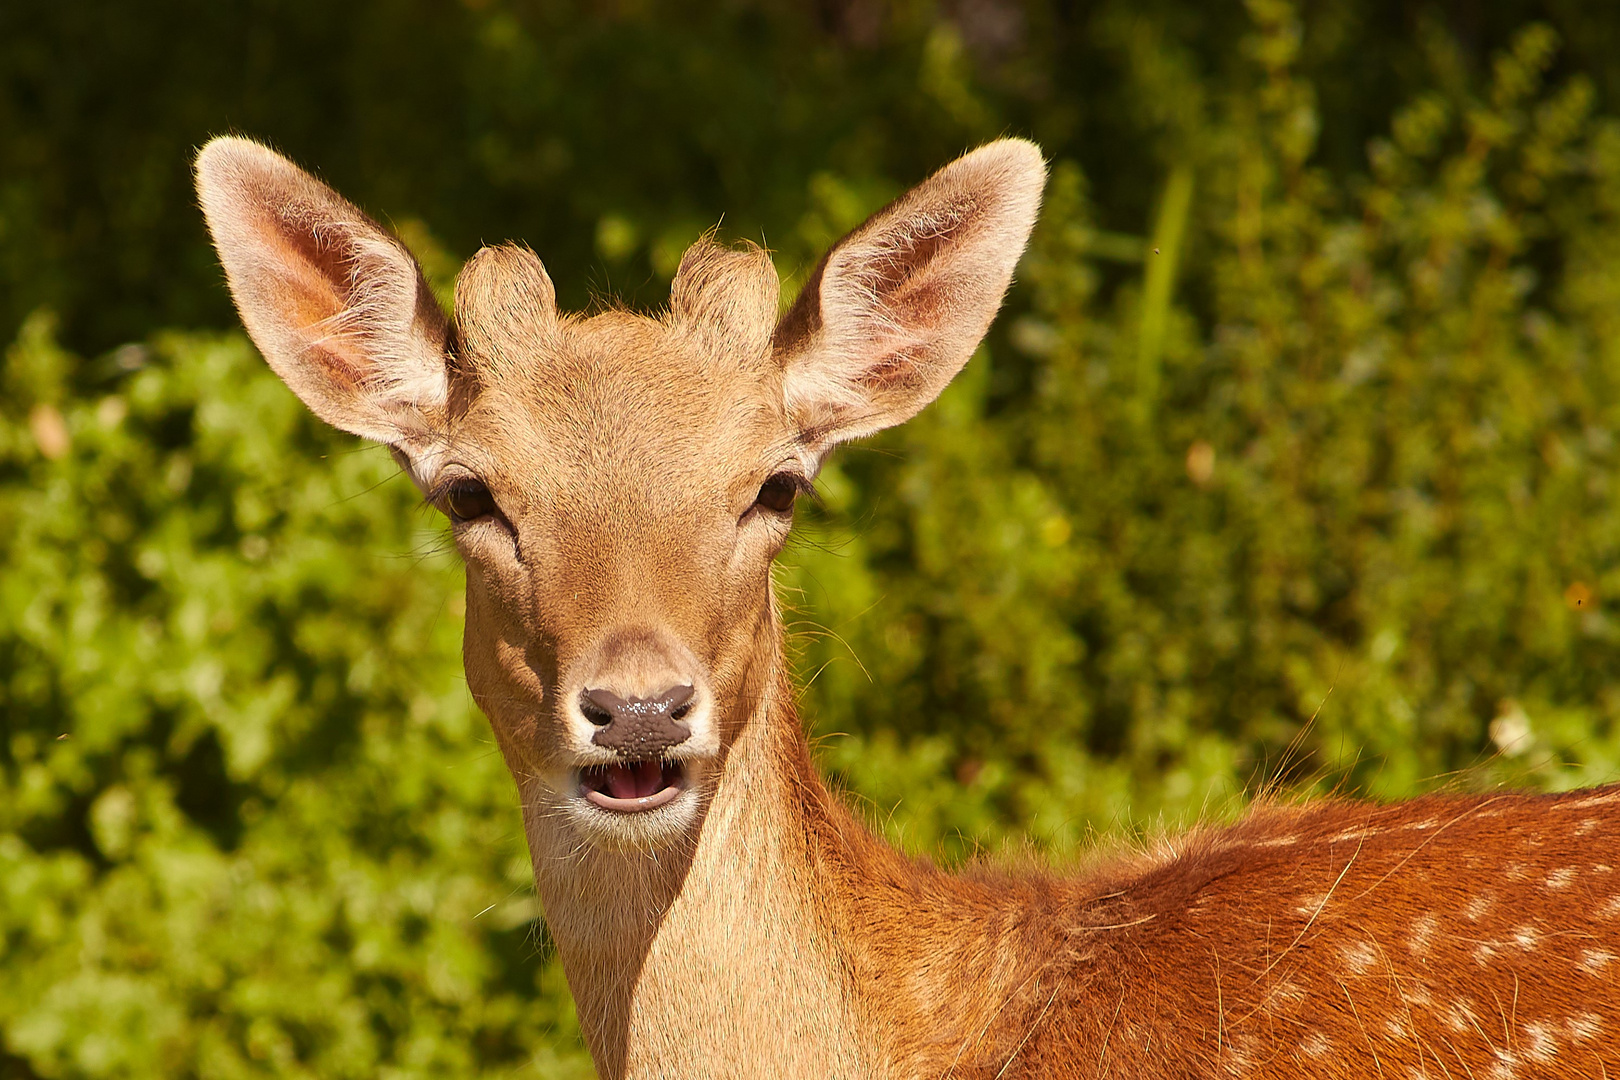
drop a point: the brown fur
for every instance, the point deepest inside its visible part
(753, 927)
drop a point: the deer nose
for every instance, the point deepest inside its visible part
(638, 727)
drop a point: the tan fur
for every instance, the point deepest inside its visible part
(753, 927)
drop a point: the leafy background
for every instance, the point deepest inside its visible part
(1290, 462)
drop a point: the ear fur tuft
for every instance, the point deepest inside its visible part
(505, 301)
(728, 293)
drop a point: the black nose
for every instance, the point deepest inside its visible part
(638, 727)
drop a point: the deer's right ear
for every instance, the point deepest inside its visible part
(333, 301)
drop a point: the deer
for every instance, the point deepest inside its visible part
(619, 484)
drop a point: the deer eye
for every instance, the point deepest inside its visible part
(467, 500)
(777, 493)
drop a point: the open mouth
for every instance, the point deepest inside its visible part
(632, 787)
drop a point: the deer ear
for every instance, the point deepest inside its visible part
(333, 301)
(897, 307)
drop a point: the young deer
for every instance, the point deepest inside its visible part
(618, 486)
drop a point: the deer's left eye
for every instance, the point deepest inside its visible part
(468, 500)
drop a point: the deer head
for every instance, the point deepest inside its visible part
(617, 484)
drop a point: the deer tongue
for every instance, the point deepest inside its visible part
(635, 780)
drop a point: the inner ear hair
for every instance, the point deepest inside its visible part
(336, 304)
(897, 307)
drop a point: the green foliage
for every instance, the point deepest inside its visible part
(1372, 486)
(250, 822)
(1291, 460)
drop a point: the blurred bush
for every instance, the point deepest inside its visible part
(1342, 519)
(1289, 462)
(249, 821)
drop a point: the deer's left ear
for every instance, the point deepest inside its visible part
(897, 307)
(333, 301)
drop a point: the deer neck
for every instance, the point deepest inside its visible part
(785, 940)
(714, 959)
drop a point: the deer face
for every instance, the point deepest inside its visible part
(617, 485)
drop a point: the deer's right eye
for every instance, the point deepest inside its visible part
(778, 493)
(468, 500)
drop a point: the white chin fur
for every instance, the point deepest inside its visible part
(647, 831)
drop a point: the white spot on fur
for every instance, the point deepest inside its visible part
(1504, 1066)
(1590, 801)
(1349, 835)
(1417, 997)
(1315, 1044)
(1586, 826)
(1359, 956)
(1239, 1063)
(1287, 990)
(1395, 1029)
(1560, 879)
(1461, 1017)
(1595, 960)
(1426, 823)
(1610, 908)
(1516, 871)
(1584, 1026)
(1310, 904)
(1279, 841)
(1485, 952)
(1602, 868)
(1539, 1042)
(1423, 929)
(1526, 938)
(1478, 906)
